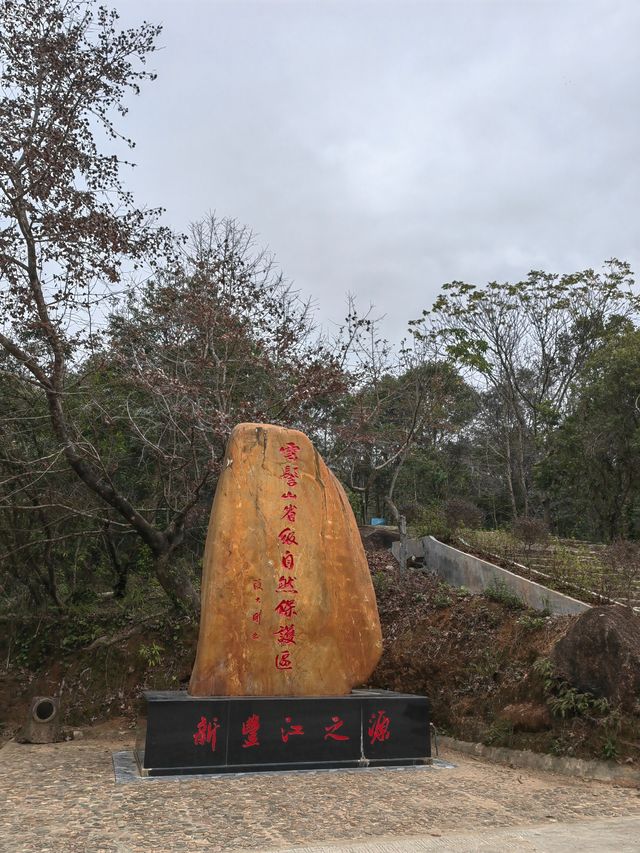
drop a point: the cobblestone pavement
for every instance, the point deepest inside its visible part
(63, 798)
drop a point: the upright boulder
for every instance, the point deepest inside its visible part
(288, 607)
(600, 654)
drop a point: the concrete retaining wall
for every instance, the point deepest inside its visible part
(460, 569)
(603, 771)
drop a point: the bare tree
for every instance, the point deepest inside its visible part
(402, 400)
(68, 229)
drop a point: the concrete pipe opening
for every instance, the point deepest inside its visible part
(44, 710)
(42, 724)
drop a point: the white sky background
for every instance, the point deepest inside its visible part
(384, 148)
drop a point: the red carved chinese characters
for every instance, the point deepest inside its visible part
(283, 660)
(379, 728)
(293, 730)
(285, 584)
(290, 513)
(207, 733)
(286, 608)
(256, 616)
(286, 635)
(288, 560)
(331, 730)
(290, 451)
(291, 475)
(250, 729)
(288, 536)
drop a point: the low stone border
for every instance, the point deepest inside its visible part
(601, 771)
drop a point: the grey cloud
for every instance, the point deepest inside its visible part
(385, 148)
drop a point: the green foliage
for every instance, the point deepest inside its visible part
(569, 566)
(569, 702)
(487, 662)
(380, 582)
(443, 598)
(432, 521)
(565, 700)
(78, 634)
(560, 746)
(525, 344)
(151, 654)
(356, 504)
(144, 561)
(543, 668)
(499, 733)
(610, 748)
(491, 543)
(499, 592)
(21, 650)
(532, 622)
(508, 402)
(592, 468)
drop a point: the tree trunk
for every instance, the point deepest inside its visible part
(48, 559)
(509, 474)
(176, 584)
(400, 520)
(523, 476)
(121, 569)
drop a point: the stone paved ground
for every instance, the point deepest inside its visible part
(63, 798)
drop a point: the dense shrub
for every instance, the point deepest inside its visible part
(412, 511)
(530, 531)
(431, 521)
(461, 513)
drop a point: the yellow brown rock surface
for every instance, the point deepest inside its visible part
(288, 607)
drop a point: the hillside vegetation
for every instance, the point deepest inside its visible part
(484, 661)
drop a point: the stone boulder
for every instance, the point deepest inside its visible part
(600, 654)
(288, 606)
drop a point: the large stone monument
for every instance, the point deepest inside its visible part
(288, 607)
(289, 626)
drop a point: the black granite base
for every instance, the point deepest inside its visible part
(235, 734)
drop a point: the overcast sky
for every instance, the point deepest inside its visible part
(384, 148)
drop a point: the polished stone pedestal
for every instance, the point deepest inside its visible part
(236, 734)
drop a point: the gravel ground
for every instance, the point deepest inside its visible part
(63, 797)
